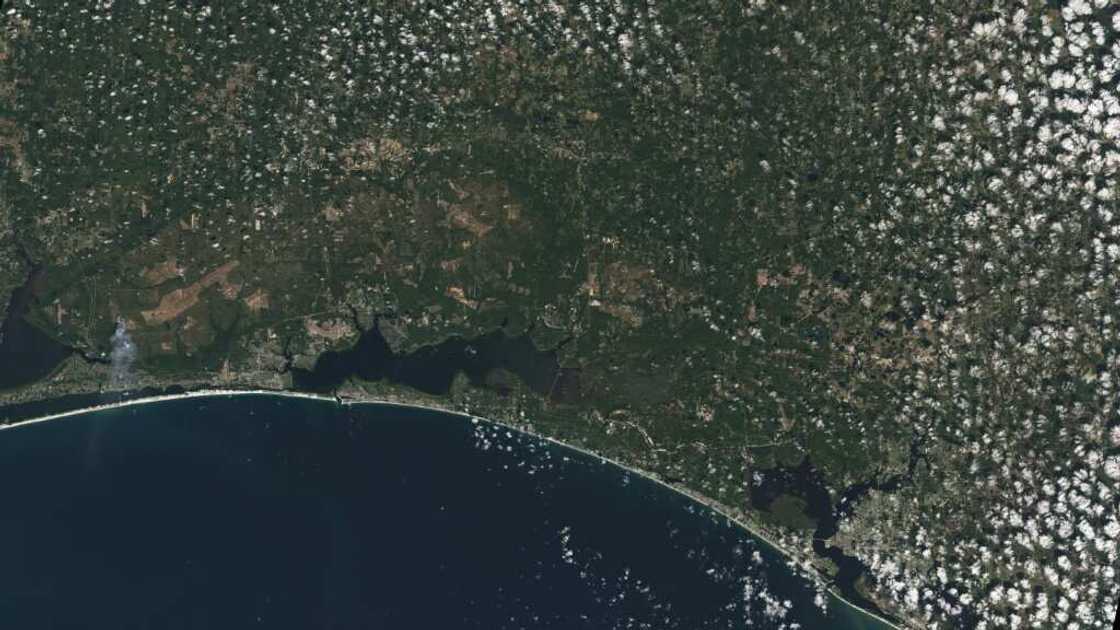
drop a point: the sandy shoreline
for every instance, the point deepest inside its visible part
(211, 393)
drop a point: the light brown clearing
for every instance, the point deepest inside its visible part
(478, 206)
(370, 154)
(257, 301)
(625, 312)
(460, 296)
(332, 329)
(177, 302)
(451, 265)
(628, 283)
(11, 142)
(461, 218)
(162, 272)
(8, 92)
(590, 286)
(231, 289)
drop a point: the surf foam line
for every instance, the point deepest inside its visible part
(714, 506)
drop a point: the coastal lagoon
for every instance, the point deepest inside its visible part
(283, 512)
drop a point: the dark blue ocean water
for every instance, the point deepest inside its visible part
(269, 512)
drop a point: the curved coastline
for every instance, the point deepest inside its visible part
(709, 504)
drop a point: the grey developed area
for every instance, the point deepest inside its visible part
(848, 272)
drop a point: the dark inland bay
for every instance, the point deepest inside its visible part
(281, 512)
(27, 354)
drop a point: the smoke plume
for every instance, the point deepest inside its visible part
(121, 356)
